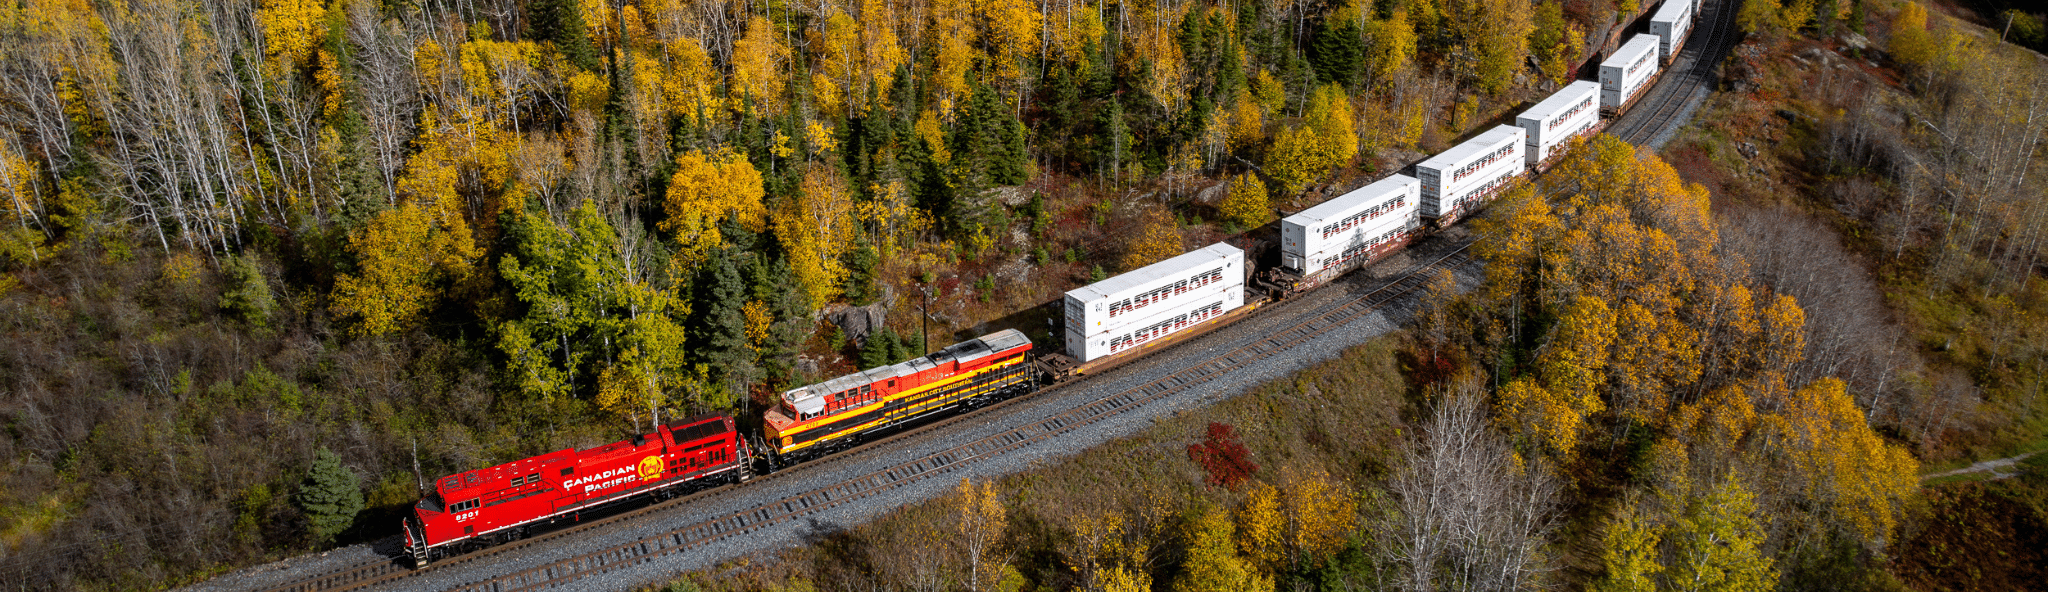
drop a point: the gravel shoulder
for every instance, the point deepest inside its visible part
(888, 453)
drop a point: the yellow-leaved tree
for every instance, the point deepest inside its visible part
(1911, 44)
(836, 43)
(1329, 114)
(692, 82)
(1246, 205)
(1551, 409)
(292, 30)
(1321, 514)
(1327, 139)
(1858, 480)
(407, 255)
(953, 53)
(757, 66)
(402, 256)
(1392, 49)
(1213, 564)
(1247, 123)
(1294, 159)
(21, 227)
(708, 189)
(1157, 239)
(817, 226)
(1011, 31)
(1261, 527)
(982, 521)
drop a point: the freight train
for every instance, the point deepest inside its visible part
(1106, 323)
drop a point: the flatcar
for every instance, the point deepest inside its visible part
(475, 509)
(498, 504)
(834, 414)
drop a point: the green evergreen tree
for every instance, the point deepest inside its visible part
(330, 496)
(717, 327)
(245, 293)
(861, 262)
(882, 348)
(561, 22)
(1336, 52)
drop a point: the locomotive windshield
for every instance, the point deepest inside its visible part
(431, 503)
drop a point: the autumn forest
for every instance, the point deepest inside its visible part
(266, 266)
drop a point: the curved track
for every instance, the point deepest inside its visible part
(794, 507)
(1656, 113)
(1694, 69)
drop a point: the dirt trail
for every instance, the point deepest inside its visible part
(1999, 468)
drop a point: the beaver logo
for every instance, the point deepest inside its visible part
(650, 468)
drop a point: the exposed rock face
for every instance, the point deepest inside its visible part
(857, 322)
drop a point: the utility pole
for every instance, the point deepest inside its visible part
(924, 314)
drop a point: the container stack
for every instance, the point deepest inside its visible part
(1139, 307)
(1570, 112)
(1350, 229)
(1671, 24)
(1627, 72)
(1455, 180)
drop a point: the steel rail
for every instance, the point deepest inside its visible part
(946, 461)
(367, 574)
(1700, 60)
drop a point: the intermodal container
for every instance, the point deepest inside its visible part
(1087, 348)
(1095, 308)
(1493, 154)
(1368, 246)
(1671, 24)
(1347, 220)
(1624, 73)
(1569, 112)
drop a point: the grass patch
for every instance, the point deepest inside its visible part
(1342, 416)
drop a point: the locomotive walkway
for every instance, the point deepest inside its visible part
(641, 546)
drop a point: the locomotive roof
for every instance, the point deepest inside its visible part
(1005, 339)
(811, 398)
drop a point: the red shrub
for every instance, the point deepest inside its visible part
(1225, 458)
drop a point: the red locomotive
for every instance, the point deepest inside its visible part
(498, 504)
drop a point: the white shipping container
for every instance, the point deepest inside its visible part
(1347, 218)
(1091, 308)
(1092, 347)
(1566, 114)
(1463, 165)
(1465, 199)
(1140, 316)
(1624, 73)
(1358, 250)
(1671, 24)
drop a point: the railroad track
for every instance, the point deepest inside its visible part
(1703, 59)
(369, 574)
(1665, 107)
(797, 506)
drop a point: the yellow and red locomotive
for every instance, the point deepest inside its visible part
(498, 504)
(830, 415)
